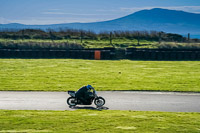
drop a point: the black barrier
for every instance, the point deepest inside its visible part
(106, 54)
(160, 55)
(153, 55)
(172, 56)
(186, 55)
(163, 54)
(147, 54)
(193, 55)
(198, 55)
(74, 54)
(179, 56)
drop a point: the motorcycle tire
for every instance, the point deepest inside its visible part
(99, 102)
(71, 101)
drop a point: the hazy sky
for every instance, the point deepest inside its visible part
(67, 11)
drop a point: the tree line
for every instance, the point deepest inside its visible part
(84, 34)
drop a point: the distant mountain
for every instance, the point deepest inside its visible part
(155, 19)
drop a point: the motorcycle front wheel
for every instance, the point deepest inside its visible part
(71, 101)
(100, 101)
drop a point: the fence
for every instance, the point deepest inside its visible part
(75, 54)
(163, 54)
(105, 54)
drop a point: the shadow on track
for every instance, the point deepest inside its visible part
(90, 108)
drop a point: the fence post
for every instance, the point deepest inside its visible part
(110, 38)
(138, 38)
(188, 37)
(159, 37)
(81, 37)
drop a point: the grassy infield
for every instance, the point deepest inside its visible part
(98, 121)
(63, 75)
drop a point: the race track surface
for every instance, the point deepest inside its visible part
(115, 100)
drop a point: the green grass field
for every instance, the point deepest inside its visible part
(99, 121)
(70, 74)
(86, 43)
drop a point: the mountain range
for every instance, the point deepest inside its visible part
(157, 19)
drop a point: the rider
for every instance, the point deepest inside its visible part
(83, 93)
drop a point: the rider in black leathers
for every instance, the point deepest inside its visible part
(83, 93)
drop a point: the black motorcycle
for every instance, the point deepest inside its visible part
(72, 101)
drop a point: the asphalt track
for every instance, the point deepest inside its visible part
(115, 100)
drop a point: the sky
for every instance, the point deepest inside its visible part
(43, 12)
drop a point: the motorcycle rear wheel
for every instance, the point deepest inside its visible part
(99, 102)
(71, 101)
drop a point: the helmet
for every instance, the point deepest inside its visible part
(89, 87)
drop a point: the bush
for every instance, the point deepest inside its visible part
(38, 45)
(179, 46)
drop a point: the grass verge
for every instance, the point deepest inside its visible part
(74, 43)
(98, 121)
(69, 74)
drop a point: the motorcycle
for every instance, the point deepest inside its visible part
(72, 101)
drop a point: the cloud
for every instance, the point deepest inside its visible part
(106, 10)
(54, 13)
(52, 20)
(55, 9)
(4, 20)
(75, 14)
(194, 9)
(56, 16)
(62, 12)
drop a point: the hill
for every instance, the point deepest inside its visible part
(155, 19)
